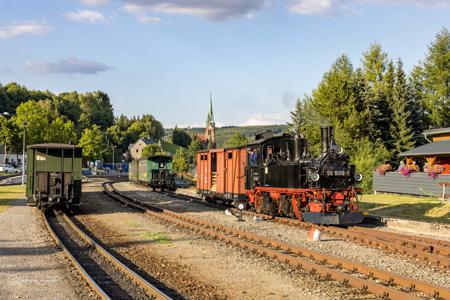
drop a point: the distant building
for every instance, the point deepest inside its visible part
(135, 150)
(210, 130)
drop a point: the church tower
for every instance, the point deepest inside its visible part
(210, 132)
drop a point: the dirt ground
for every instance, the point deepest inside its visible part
(194, 267)
(30, 265)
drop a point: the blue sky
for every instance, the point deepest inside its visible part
(165, 56)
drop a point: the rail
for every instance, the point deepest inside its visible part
(327, 266)
(105, 289)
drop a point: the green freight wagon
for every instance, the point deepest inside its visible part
(54, 175)
(133, 171)
(154, 171)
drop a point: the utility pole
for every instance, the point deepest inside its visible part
(25, 123)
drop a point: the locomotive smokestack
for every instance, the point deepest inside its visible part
(331, 136)
(325, 134)
(296, 147)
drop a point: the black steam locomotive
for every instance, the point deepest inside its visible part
(277, 175)
(283, 178)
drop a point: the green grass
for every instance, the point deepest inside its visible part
(157, 237)
(407, 207)
(10, 193)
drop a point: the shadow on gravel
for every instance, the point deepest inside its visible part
(161, 286)
(15, 269)
(19, 251)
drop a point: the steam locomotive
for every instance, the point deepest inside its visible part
(277, 175)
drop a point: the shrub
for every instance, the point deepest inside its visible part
(367, 156)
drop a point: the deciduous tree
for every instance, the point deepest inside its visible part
(180, 161)
(236, 140)
(93, 142)
(152, 150)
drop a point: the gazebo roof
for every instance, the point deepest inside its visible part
(435, 148)
(436, 131)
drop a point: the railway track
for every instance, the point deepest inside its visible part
(368, 279)
(106, 275)
(429, 250)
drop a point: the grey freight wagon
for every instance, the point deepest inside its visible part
(54, 175)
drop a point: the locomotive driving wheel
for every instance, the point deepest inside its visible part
(268, 206)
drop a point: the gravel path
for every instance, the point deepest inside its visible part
(196, 267)
(330, 245)
(30, 265)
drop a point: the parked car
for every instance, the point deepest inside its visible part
(5, 168)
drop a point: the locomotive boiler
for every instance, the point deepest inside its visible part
(277, 175)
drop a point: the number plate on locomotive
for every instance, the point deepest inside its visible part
(338, 173)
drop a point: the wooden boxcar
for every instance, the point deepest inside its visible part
(220, 172)
(54, 175)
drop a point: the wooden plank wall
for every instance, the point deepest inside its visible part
(416, 184)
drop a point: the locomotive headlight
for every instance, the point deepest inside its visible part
(358, 177)
(338, 149)
(314, 176)
(241, 206)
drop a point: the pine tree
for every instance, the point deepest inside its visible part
(401, 130)
(387, 104)
(334, 97)
(377, 106)
(297, 123)
(436, 80)
(419, 120)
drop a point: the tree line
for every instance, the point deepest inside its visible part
(84, 119)
(377, 109)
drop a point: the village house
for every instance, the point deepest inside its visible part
(135, 150)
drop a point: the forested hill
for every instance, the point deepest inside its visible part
(223, 134)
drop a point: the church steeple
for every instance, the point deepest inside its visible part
(210, 119)
(210, 131)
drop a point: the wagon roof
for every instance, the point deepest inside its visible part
(52, 146)
(153, 156)
(264, 139)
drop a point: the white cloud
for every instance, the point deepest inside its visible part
(86, 16)
(141, 14)
(70, 65)
(314, 7)
(267, 119)
(350, 7)
(30, 27)
(94, 2)
(207, 9)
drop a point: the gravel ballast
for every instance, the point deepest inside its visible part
(31, 267)
(398, 264)
(222, 271)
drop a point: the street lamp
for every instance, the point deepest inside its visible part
(113, 161)
(25, 123)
